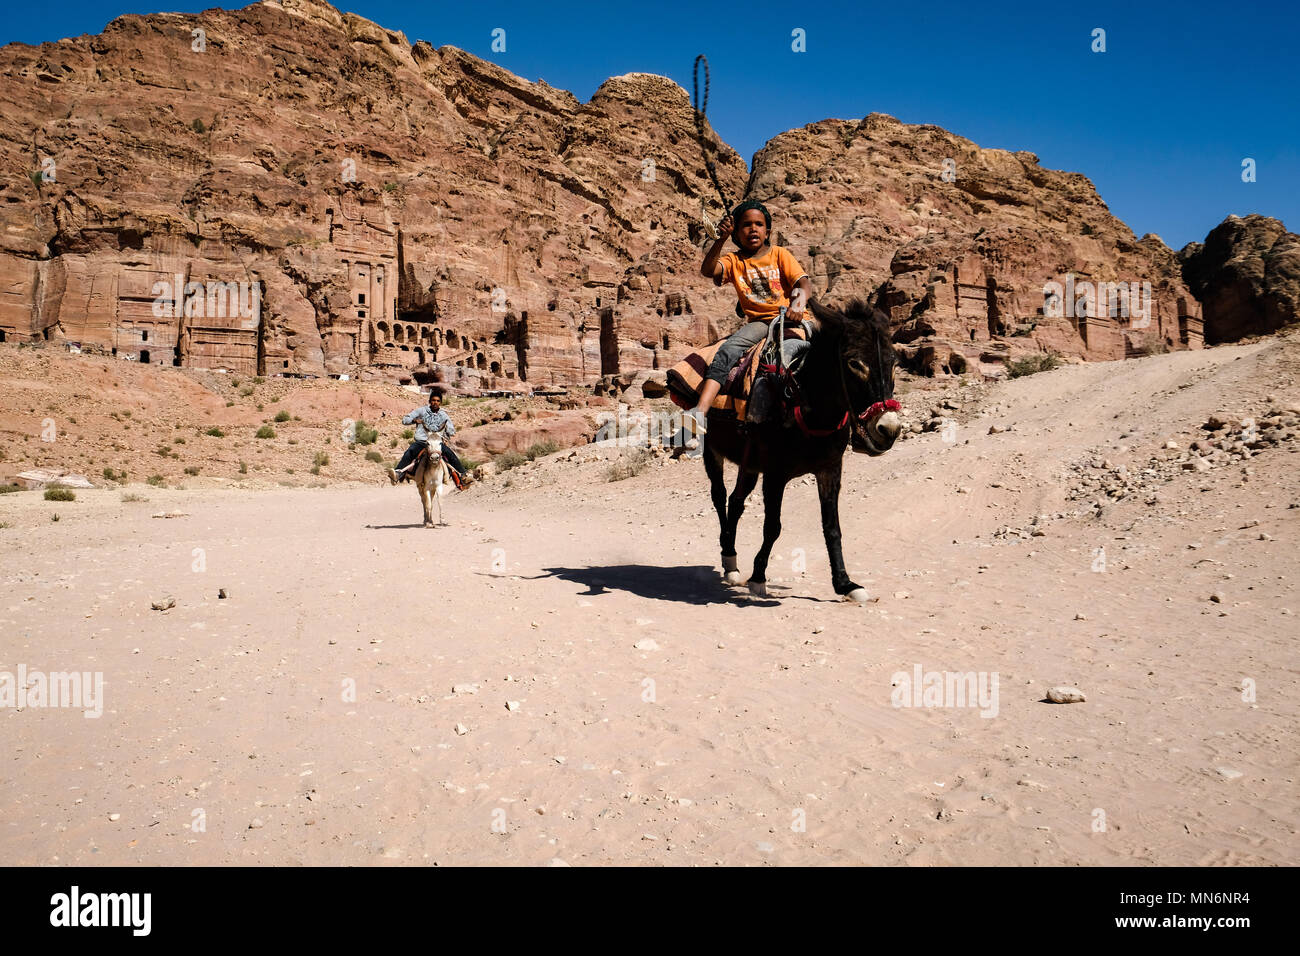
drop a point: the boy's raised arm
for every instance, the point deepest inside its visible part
(711, 268)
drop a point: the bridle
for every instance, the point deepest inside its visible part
(858, 422)
(876, 408)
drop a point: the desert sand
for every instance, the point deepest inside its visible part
(560, 675)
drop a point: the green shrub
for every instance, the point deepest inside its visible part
(321, 459)
(509, 459)
(235, 382)
(192, 470)
(258, 379)
(1032, 364)
(60, 494)
(315, 469)
(163, 450)
(282, 416)
(243, 467)
(266, 431)
(9, 489)
(540, 449)
(366, 435)
(374, 456)
(215, 432)
(156, 480)
(178, 440)
(198, 126)
(246, 391)
(132, 496)
(228, 404)
(408, 434)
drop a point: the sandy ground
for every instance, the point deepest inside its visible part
(753, 732)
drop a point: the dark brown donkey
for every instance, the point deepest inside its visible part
(843, 395)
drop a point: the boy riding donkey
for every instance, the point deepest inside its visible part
(767, 279)
(430, 422)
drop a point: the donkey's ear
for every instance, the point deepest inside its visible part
(830, 319)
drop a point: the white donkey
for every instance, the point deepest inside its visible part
(431, 481)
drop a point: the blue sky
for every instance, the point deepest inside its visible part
(1160, 122)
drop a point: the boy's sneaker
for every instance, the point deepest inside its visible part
(392, 476)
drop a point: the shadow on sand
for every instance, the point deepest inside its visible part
(690, 585)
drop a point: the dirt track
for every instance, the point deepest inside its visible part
(750, 717)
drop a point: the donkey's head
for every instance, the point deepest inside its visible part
(865, 359)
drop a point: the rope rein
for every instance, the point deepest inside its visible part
(701, 108)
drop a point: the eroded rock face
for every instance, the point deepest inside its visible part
(387, 206)
(959, 245)
(388, 210)
(1247, 275)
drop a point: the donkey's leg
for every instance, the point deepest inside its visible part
(828, 490)
(441, 477)
(745, 482)
(773, 493)
(718, 491)
(422, 486)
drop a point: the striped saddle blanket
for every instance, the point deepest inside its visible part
(686, 378)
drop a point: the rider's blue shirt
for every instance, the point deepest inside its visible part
(428, 422)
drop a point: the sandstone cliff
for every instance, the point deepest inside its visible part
(393, 210)
(1247, 276)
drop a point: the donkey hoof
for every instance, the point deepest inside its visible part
(731, 578)
(758, 588)
(858, 596)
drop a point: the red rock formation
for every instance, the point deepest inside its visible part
(958, 243)
(1247, 274)
(402, 211)
(388, 205)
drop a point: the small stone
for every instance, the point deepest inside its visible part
(646, 644)
(115, 817)
(165, 604)
(556, 861)
(901, 595)
(1229, 773)
(512, 705)
(1265, 536)
(461, 730)
(1217, 597)
(464, 688)
(221, 594)
(256, 824)
(1080, 617)
(1065, 695)
(996, 429)
(1172, 445)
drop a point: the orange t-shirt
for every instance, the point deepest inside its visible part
(764, 283)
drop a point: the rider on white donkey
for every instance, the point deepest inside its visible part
(430, 421)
